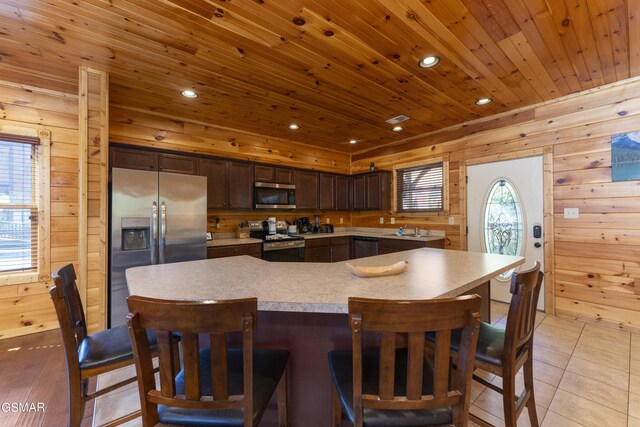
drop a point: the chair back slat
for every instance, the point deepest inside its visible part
(387, 364)
(166, 363)
(67, 291)
(219, 367)
(441, 364)
(414, 318)
(191, 358)
(189, 319)
(415, 365)
(525, 287)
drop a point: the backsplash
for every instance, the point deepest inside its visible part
(229, 220)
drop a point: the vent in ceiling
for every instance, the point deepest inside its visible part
(397, 119)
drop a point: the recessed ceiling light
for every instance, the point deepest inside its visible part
(483, 101)
(353, 141)
(189, 93)
(294, 126)
(429, 61)
(397, 128)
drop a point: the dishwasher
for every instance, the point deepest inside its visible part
(365, 246)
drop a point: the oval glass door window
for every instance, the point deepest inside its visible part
(503, 223)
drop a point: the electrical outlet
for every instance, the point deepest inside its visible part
(328, 220)
(572, 213)
(381, 220)
(341, 220)
(452, 220)
(393, 220)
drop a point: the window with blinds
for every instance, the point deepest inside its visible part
(420, 188)
(18, 203)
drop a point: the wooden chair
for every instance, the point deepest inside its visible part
(393, 386)
(218, 385)
(87, 355)
(504, 352)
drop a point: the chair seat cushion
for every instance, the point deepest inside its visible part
(341, 366)
(268, 367)
(108, 347)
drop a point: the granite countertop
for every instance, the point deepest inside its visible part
(319, 287)
(229, 239)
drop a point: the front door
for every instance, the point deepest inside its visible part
(505, 215)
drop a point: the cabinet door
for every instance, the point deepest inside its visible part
(306, 190)
(217, 183)
(317, 250)
(284, 176)
(240, 185)
(340, 249)
(265, 173)
(130, 158)
(251, 249)
(343, 193)
(359, 186)
(438, 244)
(377, 191)
(176, 163)
(327, 191)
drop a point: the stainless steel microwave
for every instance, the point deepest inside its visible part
(270, 195)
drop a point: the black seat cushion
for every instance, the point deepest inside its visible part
(490, 347)
(108, 347)
(268, 367)
(341, 365)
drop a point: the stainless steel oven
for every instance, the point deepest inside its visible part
(275, 196)
(290, 250)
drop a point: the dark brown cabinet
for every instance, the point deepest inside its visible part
(340, 248)
(327, 192)
(240, 179)
(217, 183)
(176, 163)
(251, 249)
(306, 190)
(317, 250)
(372, 191)
(273, 174)
(131, 158)
(343, 193)
(387, 246)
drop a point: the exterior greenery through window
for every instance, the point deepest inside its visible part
(18, 203)
(420, 188)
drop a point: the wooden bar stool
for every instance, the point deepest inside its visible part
(218, 385)
(389, 386)
(503, 352)
(88, 355)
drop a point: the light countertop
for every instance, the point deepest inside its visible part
(319, 287)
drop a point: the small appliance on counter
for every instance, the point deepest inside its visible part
(326, 228)
(304, 226)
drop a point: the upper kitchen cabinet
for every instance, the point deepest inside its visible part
(175, 163)
(273, 174)
(372, 191)
(131, 158)
(343, 193)
(306, 190)
(229, 184)
(327, 191)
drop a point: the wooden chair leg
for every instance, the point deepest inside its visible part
(508, 399)
(336, 408)
(282, 401)
(528, 387)
(76, 402)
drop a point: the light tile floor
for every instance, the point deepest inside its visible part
(584, 375)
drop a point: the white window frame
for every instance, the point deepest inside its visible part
(445, 186)
(42, 272)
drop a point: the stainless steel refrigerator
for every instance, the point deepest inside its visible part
(156, 218)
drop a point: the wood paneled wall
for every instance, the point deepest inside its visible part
(27, 308)
(597, 257)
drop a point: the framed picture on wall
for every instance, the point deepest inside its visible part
(625, 156)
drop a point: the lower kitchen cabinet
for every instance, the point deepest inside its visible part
(317, 250)
(251, 249)
(340, 248)
(387, 246)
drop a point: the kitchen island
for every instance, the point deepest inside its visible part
(303, 306)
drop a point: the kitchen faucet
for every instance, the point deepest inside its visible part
(416, 229)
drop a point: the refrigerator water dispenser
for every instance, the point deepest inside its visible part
(135, 234)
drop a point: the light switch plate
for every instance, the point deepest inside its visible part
(328, 220)
(393, 220)
(572, 213)
(381, 220)
(452, 220)
(341, 220)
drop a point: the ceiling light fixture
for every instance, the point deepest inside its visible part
(397, 128)
(483, 101)
(188, 93)
(353, 141)
(429, 61)
(294, 126)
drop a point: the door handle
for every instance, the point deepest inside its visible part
(163, 232)
(154, 233)
(537, 244)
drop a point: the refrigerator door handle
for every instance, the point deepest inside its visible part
(154, 233)
(163, 232)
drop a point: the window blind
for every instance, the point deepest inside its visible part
(18, 203)
(420, 188)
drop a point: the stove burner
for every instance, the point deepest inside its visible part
(278, 236)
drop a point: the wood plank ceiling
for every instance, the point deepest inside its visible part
(338, 68)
